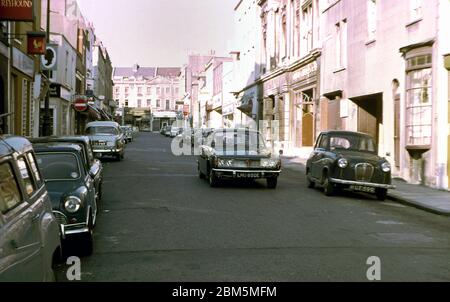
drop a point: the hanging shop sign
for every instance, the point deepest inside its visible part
(55, 90)
(50, 59)
(16, 10)
(36, 43)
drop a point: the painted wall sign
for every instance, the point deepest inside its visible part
(305, 72)
(16, 10)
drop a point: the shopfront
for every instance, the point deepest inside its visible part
(4, 67)
(22, 78)
(304, 107)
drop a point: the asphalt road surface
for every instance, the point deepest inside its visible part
(159, 222)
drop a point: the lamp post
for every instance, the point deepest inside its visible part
(46, 119)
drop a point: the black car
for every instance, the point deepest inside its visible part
(238, 154)
(71, 188)
(346, 159)
(92, 164)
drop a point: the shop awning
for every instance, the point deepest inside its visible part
(245, 103)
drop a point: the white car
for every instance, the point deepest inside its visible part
(174, 131)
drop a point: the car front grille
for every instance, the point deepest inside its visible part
(363, 172)
(242, 163)
(60, 217)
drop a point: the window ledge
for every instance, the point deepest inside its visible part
(339, 69)
(414, 22)
(370, 41)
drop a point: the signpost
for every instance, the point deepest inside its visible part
(80, 104)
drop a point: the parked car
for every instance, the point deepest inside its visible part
(89, 161)
(29, 233)
(106, 139)
(238, 154)
(71, 188)
(167, 131)
(174, 131)
(127, 133)
(345, 159)
(201, 134)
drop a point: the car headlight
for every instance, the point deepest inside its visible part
(386, 167)
(110, 144)
(269, 162)
(224, 162)
(342, 163)
(72, 204)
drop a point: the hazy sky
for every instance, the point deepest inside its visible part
(160, 32)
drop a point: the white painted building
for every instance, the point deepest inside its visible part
(383, 73)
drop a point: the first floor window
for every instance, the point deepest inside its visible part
(167, 105)
(139, 103)
(418, 108)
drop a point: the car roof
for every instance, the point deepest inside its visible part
(102, 123)
(10, 144)
(57, 147)
(344, 132)
(234, 130)
(70, 139)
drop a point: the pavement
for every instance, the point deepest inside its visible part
(158, 221)
(419, 196)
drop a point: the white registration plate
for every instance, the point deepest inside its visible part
(362, 189)
(247, 175)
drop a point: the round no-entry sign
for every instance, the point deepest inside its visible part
(80, 104)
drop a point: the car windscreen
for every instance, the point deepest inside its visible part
(101, 130)
(239, 140)
(353, 143)
(58, 166)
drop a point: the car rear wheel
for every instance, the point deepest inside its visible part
(328, 186)
(272, 182)
(381, 194)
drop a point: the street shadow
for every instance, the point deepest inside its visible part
(242, 183)
(347, 193)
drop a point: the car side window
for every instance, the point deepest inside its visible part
(323, 144)
(34, 169)
(25, 174)
(10, 196)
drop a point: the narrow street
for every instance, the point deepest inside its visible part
(159, 222)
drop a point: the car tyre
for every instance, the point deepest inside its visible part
(213, 180)
(309, 182)
(381, 193)
(272, 182)
(328, 187)
(200, 174)
(87, 243)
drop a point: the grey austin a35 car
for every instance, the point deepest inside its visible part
(346, 159)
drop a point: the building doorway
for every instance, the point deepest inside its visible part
(304, 120)
(370, 114)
